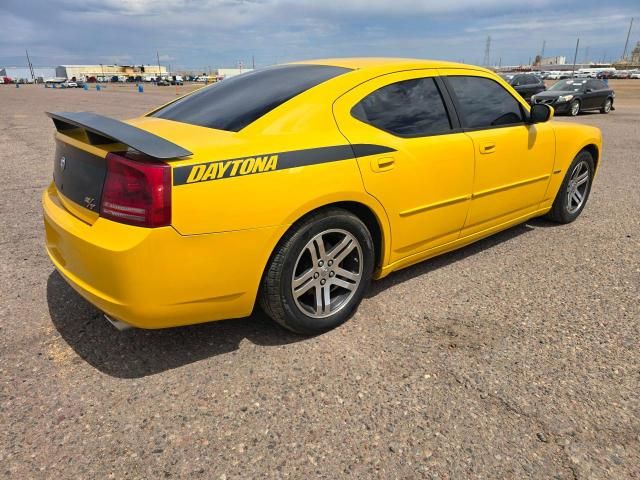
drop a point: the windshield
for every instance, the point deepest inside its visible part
(573, 85)
(235, 103)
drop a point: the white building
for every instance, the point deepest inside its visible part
(229, 72)
(23, 73)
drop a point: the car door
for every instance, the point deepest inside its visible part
(598, 93)
(425, 177)
(513, 159)
(590, 95)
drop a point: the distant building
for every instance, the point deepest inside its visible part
(86, 71)
(229, 72)
(558, 60)
(23, 73)
(635, 54)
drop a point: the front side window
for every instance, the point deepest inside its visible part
(411, 108)
(235, 103)
(484, 103)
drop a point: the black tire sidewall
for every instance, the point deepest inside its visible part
(296, 318)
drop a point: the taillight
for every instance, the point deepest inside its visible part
(137, 192)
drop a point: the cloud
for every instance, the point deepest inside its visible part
(198, 33)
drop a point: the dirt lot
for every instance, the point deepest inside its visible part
(517, 357)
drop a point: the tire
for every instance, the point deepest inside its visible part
(573, 110)
(606, 108)
(348, 262)
(565, 207)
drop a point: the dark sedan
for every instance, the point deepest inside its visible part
(578, 95)
(526, 84)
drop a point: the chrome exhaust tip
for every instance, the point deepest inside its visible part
(120, 326)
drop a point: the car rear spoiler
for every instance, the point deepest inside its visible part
(102, 130)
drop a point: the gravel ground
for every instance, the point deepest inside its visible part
(516, 357)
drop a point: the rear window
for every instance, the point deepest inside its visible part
(235, 103)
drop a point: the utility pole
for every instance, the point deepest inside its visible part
(544, 44)
(575, 56)
(487, 52)
(626, 44)
(33, 77)
(158, 57)
(253, 62)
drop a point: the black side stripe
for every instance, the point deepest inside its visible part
(263, 163)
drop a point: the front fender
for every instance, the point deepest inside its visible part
(571, 139)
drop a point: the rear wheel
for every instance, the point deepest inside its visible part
(319, 272)
(606, 108)
(574, 108)
(574, 191)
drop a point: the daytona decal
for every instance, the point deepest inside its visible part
(269, 162)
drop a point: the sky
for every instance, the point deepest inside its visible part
(201, 34)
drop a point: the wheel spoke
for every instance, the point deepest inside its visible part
(302, 281)
(335, 251)
(582, 179)
(327, 298)
(346, 274)
(576, 198)
(323, 300)
(319, 245)
(338, 282)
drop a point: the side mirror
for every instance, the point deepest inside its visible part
(540, 113)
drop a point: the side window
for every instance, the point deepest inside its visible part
(484, 103)
(411, 108)
(596, 85)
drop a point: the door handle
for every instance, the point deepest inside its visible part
(382, 164)
(487, 148)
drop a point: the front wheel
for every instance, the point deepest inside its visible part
(606, 108)
(574, 108)
(574, 191)
(319, 272)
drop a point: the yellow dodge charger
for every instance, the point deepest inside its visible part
(294, 185)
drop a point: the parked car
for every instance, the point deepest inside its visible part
(163, 82)
(635, 75)
(621, 74)
(577, 95)
(293, 185)
(69, 84)
(526, 84)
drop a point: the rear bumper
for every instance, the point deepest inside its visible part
(156, 278)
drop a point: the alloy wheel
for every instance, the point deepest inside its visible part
(575, 108)
(327, 273)
(578, 187)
